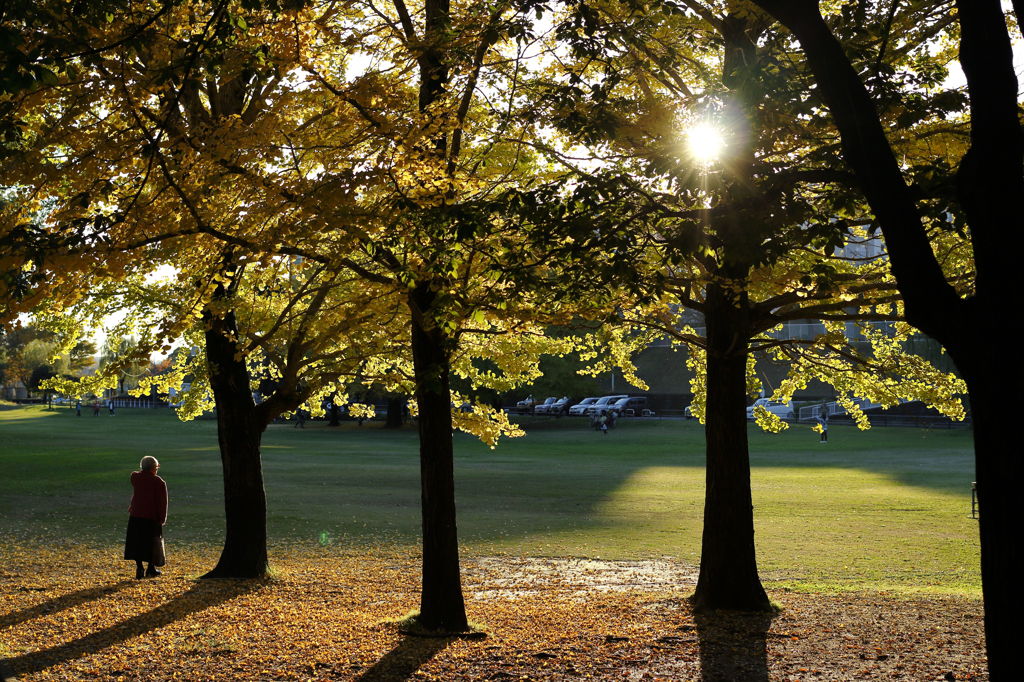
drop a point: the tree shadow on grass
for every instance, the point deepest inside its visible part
(67, 601)
(733, 645)
(404, 660)
(201, 596)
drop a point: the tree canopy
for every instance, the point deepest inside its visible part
(317, 194)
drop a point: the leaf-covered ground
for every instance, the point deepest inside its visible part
(76, 614)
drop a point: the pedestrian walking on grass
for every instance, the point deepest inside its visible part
(147, 514)
(78, 408)
(95, 408)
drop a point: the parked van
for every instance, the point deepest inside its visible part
(629, 407)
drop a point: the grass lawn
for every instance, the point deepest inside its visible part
(887, 509)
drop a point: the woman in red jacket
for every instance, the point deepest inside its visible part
(146, 517)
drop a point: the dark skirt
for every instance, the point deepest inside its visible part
(138, 541)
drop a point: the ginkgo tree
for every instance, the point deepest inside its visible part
(458, 166)
(982, 188)
(744, 223)
(123, 196)
(305, 329)
(228, 138)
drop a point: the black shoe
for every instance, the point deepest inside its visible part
(139, 573)
(153, 572)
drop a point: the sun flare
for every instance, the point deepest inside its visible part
(705, 143)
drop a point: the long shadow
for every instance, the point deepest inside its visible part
(202, 596)
(67, 601)
(404, 660)
(733, 645)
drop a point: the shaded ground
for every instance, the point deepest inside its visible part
(323, 618)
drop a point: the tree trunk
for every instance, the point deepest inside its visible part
(999, 471)
(334, 414)
(441, 603)
(239, 432)
(990, 183)
(728, 566)
(395, 416)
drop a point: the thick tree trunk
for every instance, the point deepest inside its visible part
(239, 432)
(999, 470)
(991, 182)
(728, 566)
(441, 603)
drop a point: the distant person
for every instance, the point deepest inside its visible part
(300, 419)
(95, 408)
(147, 515)
(602, 423)
(823, 423)
(78, 408)
(110, 407)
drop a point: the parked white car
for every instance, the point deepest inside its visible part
(525, 406)
(783, 410)
(580, 408)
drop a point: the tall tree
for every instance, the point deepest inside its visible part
(989, 180)
(304, 329)
(183, 77)
(355, 171)
(747, 238)
(465, 264)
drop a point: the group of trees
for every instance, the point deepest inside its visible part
(29, 356)
(329, 193)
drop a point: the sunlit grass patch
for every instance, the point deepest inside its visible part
(888, 508)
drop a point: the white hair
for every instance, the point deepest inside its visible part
(148, 463)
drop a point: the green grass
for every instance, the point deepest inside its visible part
(883, 509)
